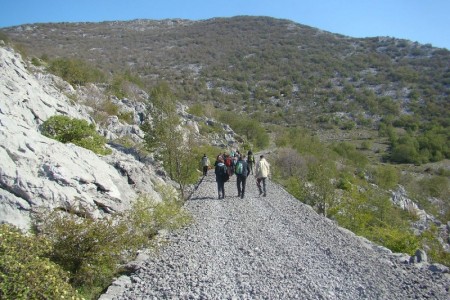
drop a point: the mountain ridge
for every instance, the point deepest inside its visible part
(276, 71)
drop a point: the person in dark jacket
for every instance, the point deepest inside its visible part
(221, 177)
(242, 170)
(250, 160)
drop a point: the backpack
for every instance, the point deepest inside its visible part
(251, 158)
(239, 168)
(226, 176)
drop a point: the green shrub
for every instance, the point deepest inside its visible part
(93, 250)
(127, 117)
(350, 152)
(76, 131)
(254, 131)
(210, 129)
(196, 109)
(396, 239)
(436, 253)
(436, 186)
(4, 37)
(371, 214)
(366, 145)
(121, 84)
(89, 249)
(36, 62)
(26, 271)
(405, 153)
(386, 176)
(110, 108)
(75, 72)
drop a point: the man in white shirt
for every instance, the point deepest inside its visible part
(262, 172)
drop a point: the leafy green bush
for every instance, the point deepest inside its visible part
(93, 250)
(250, 128)
(386, 176)
(127, 117)
(350, 152)
(436, 186)
(372, 215)
(366, 145)
(75, 71)
(436, 253)
(210, 129)
(26, 271)
(120, 84)
(36, 62)
(76, 131)
(396, 239)
(405, 153)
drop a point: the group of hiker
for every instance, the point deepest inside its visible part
(235, 163)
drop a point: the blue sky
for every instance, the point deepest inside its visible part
(423, 21)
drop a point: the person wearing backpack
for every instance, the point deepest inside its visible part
(262, 172)
(221, 176)
(241, 169)
(205, 164)
(228, 160)
(250, 160)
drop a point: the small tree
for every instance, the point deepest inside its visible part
(166, 137)
(319, 190)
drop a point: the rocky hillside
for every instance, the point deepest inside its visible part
(37, 171)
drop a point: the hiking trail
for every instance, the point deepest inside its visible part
(271, 247)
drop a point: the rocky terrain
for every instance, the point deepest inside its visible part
(273, 247)
(36, 171)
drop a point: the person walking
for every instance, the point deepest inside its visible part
(262, 172)
(250, 160)
(221, 177)
(205, 164)
(241, 169)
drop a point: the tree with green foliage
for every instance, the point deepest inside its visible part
(165, 137)
(321, 191)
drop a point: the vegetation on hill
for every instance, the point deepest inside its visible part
(340, 182)
(273, 71)
(76, 256)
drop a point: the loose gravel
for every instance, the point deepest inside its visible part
(271, 247)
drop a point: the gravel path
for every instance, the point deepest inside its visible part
(271, 247)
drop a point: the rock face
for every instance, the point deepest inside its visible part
(36, 171)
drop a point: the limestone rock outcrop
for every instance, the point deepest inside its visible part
(36, 171)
